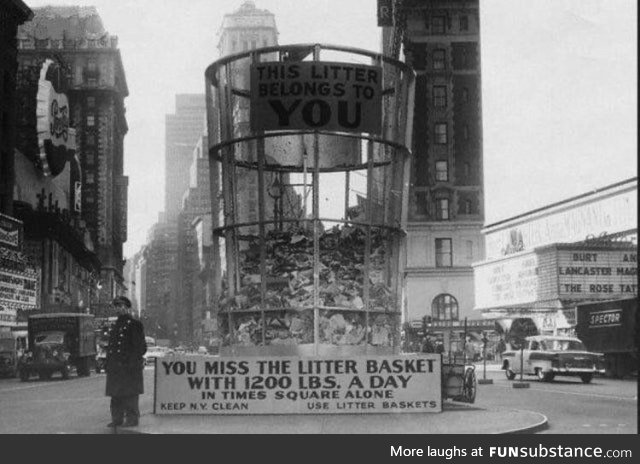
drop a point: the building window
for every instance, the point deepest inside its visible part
(90, 139)
(91, 158)
(437, 24)
(442, 209)
(443, 252)
(90, 178)
(468, 207)
(91, 65)
(440, 96)
(245, 45)
(442, 171)
(92, 82)
(465, 94)
(464, 23)
(91, 102)
(469, 249)
(91, 120)
(254, 44)
(438, 59)
(444, 308)
(440, 130)
(467, 170)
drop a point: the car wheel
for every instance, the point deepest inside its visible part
(470, 386)
(65, 372)
(544, 376)
(586, 378)
(24, 375)
(510, 374)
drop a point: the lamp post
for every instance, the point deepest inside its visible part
(275, 192)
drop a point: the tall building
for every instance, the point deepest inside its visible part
(441, 41)
(161, 258)
(12, 259)
(182, 131)
(196, 203)
(12, 14)
(245, 29)
(91, 60)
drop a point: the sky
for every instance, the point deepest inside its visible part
(559, 87)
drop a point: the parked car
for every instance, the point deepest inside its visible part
(546, 356)
(202, 350)
(155, 352)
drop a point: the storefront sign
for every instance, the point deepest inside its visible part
(293, 385)
(18, 289)
(608, 318)
(316, 95)
(10, 232)
(385, 13)
(8, 316)
(601, 274)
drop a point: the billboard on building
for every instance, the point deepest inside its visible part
(11, 231)
(56, 138)
(566, 223)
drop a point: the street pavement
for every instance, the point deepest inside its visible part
(565, 406)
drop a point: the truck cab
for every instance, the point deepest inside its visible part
(50, 354)
(58, 342)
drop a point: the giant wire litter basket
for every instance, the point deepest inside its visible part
(308, 225)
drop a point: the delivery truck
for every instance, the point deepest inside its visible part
(610, 327)
(58, 343)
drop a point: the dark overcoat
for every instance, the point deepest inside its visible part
(125, 364)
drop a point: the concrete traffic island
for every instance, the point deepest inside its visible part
(455, 418)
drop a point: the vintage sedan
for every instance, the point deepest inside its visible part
(546, 356)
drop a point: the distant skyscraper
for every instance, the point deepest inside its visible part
(245, 29)
(182, 132)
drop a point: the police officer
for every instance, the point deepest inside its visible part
(125, 365)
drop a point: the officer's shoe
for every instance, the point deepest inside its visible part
(114, 424)
(130, 423)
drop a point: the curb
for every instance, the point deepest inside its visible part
(541, 424)
(538, 427)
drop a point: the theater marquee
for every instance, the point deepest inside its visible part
(293, 385)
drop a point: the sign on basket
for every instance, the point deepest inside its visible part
(296, 385)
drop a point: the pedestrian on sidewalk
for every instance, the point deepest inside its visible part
(125, 365)
(501, 347)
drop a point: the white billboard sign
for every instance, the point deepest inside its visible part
(294, 385)
(18, 289)
(507, 282)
